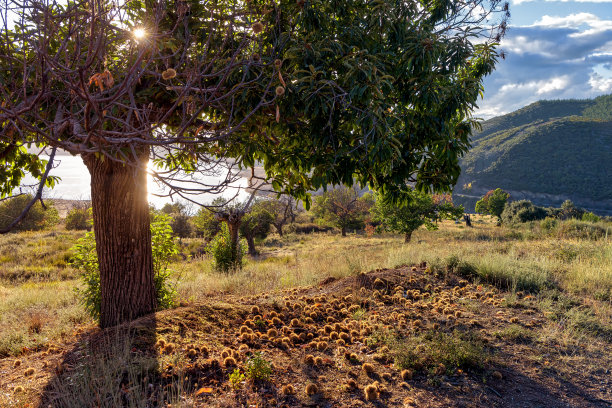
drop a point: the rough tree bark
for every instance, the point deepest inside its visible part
(407, 236)
(251, 244)
(123, 238)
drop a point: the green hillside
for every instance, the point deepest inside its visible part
(548, 151)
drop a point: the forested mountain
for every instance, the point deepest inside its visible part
(546, 152)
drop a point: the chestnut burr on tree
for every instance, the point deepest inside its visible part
(318, 92)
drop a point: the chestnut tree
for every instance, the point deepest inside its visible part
(318, 92)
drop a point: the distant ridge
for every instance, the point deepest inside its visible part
(547, 152)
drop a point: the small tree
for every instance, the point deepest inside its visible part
(283, 211)
(493, 203)
(181, 221)
(342, 207)
(413, 210)
(256, 224)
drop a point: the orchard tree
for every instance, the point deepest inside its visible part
(342, 207)
(283, 210)
(318, 92)
(256, 224)
(416, 209)
(493, 203)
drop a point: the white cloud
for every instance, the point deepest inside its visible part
(557, 57)
(570, 21)
(538, 87)
(600, 84)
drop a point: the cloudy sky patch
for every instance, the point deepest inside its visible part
(555, 50)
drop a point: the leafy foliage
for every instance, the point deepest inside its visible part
(79, 219)
(226, 258)
(418, 209)
(493, 202)
(38, 218)
(236, 378)
(85, 258)
(522, 211)
(206, 224)
(257, 368)
(343, 207)
(256, 223)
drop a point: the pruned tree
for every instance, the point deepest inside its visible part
(318, 92)
(343, 207)
(256, 224)
(283, 210)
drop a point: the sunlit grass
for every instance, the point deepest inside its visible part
(36, 280)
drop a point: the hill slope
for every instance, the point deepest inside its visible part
(547, 152)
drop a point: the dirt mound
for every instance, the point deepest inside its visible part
(399, 337)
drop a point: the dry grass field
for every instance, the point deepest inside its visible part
(470, 317)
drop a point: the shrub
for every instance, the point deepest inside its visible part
(580, 230)
(258, 368)
(220, 248)
(79, 219)
(236, 378)
(37, 218)
(548, 224)
(522, 211)
(569, 211)
(86, 259)
(590, 217)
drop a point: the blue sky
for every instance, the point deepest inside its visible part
(555, 50)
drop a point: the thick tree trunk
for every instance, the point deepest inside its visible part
(123, 239)
(407, 236)
(344, 231)
(251, 243)
(233, 224)
(279, 229)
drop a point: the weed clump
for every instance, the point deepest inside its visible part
(257, 368)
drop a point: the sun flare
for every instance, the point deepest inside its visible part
(139, 33)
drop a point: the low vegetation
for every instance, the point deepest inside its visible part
(526, 303)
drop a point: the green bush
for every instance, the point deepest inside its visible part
(548, 224)
(580, 230)
(590, 217)
(225, 259)
(37, 218)
(86, 259)
(522, 211)
(79, 219)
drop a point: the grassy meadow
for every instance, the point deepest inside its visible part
(560, 273)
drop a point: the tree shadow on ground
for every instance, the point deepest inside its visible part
(115, 367)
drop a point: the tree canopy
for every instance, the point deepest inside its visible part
(318, 92)
(417, 209)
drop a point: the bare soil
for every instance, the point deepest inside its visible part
(375, 318)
